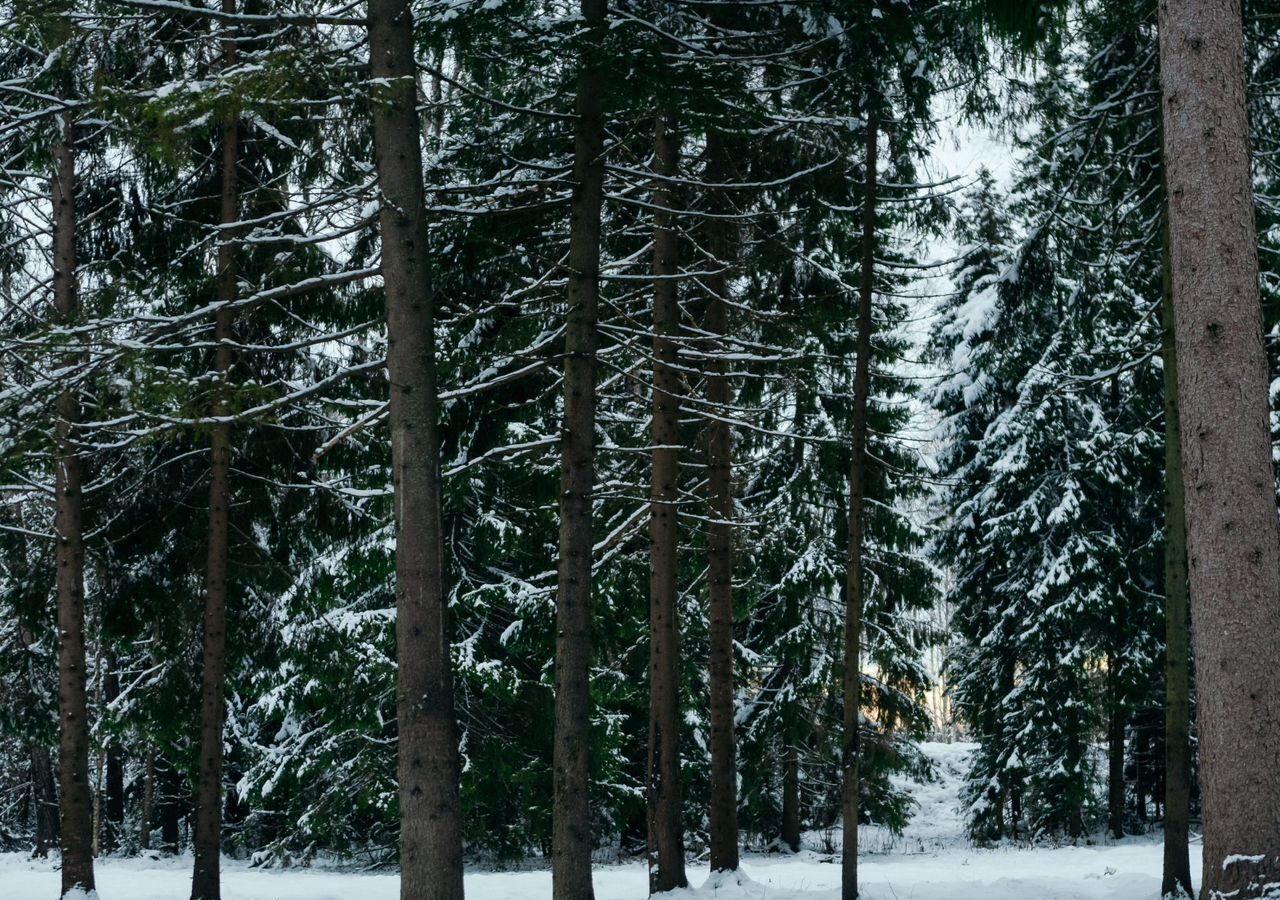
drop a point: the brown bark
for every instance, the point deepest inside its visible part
(428, 769)
(206, 881)
(666, 832)
(851, 744)
(1233, 532)
(572, 841)
(723, 813)
(1177, 677)
(73, 703)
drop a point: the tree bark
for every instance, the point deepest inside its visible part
(148, 800)
(1177, 676)
(44, 797)
(851, 740)
(73, 703)
(113, 833)
(1233, 532)
(791, 788)
(1115, 758)
(571, 840)
(429, 769)
(790, 831)
(206, 882)
(172, 794)
(666, 833)
(723, 813)
(44, 792)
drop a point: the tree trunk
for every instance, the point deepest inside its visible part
(666, 834)
(571, 828)
(723, 814)
(1177, 676)
(1115, 758)
(790, 831)
(428, 769)
(148, 801)
(206, 878)
(73, 702)
(113, 833)
(1233, 532)
(791, 793)
(851, 740)
(44, 797)
(170, 805)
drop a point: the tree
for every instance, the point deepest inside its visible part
(572, 837)
(430, 828)
(854, 586)
(75, 802)
(666, 829)
(1176, 878)
(206, 880)
(721, 515)
(1233, 532)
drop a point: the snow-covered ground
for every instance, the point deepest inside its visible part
(931, 861)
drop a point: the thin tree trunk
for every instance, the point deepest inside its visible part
(571, 841)
(852, 741)
(100, 767)
(1115, 759)
(790, 831)
(44, 797)
(148, 800)
(430, 803)
(723, 813)
(666, 834)
(170, 806)
(1177, 675)
(791, 788)
(44, 791)
(73, 702)
(206, 882)
(114, 819)
(1233, 532)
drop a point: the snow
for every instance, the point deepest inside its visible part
(932, 860)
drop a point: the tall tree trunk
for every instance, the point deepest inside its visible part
(73, 701)
(1233, 532)
(666, 833)
(1177, 675)
(430, 814)
(571, 830)
(723, 814)
(852, 740)
(1115, 757)
(206, 882)
(790, 831)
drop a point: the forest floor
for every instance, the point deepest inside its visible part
(932, 860)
